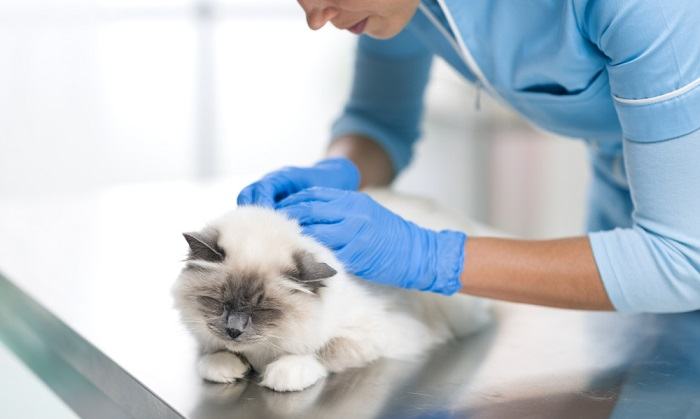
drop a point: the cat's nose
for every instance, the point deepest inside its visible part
(236, 323)
(233, 333)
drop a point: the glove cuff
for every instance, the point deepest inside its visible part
(349, 174)
(449, 262)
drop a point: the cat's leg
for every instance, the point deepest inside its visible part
(342, 353)
(293, 373)
(222, 367)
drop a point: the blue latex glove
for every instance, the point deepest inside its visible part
(376, 244)
(340, 173)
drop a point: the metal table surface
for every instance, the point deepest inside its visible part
(85, 303)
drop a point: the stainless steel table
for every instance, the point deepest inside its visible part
(85, 303)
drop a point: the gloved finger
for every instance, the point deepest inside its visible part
(281, 184)
(330, 235)
(245, 197)
(315, 193)
(359, 238)
(313, 213)
(258, 193)
(265, 194)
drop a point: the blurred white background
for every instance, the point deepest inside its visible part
(97, 93)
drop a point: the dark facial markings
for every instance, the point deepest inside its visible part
(210, 305)
(239, 308)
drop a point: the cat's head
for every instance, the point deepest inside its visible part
(251, 276)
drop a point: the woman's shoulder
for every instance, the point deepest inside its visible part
(601, 18)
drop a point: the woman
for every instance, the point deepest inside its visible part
(622, 75)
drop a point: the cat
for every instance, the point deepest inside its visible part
(259, 295)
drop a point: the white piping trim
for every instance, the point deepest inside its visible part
(467, 55)
(658, 99)
(434, 20)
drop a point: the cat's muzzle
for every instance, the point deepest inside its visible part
(236, 324)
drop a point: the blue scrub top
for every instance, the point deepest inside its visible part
(622, 75)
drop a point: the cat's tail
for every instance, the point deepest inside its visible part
(455, 316)
(465, 314)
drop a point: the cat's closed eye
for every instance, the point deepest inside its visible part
(266, 309)
(210, 304)
(257, 299)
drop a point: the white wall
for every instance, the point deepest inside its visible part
(97, 93)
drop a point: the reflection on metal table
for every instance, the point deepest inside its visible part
(85, 303)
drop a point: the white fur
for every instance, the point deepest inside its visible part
(221, 367)
(364, 321)
(293, 372)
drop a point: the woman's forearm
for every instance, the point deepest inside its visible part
(370, 158)
(557, 273)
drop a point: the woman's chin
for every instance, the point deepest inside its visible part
(382, 32)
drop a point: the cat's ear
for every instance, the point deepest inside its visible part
(309, 272)
(203, 246)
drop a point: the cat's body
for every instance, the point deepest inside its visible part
(256, 293)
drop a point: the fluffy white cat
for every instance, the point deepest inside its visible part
(257, 294)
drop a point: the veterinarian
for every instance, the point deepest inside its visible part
(624, 76)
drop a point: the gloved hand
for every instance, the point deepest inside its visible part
(340, 173)
(376, 244)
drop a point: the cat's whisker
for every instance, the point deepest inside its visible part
(274, 346)
(286, 339)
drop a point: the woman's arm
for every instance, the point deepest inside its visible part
(381, 120)
(370, 158)
(655, 265)
(557, 273)
(652, 267)
(378, 245)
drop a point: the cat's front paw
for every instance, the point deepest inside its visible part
(293, 373)
(222, 367)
